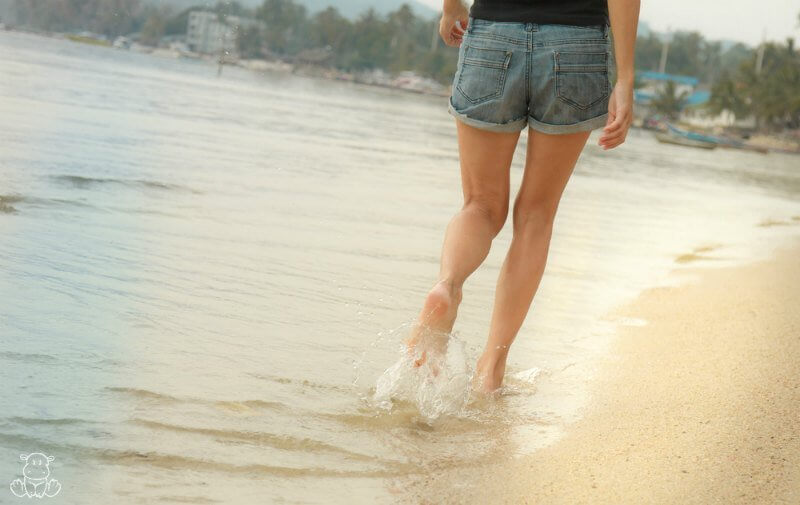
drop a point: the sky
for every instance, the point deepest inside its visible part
(739, 20)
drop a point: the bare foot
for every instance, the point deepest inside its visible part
(435, 322)
(489, 372)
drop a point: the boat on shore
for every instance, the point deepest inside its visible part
(671, 138)
(674, 135)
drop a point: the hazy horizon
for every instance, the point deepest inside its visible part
(717, 20)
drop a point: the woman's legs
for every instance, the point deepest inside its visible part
(549, 162)
(485, 159)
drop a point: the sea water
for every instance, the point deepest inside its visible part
(205, 282)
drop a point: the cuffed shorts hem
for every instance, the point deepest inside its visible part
(511, 126)
(556, 129)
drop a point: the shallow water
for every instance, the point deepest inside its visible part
(205, 281)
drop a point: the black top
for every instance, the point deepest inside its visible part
(564, 12)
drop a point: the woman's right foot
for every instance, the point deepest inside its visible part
(435, 322)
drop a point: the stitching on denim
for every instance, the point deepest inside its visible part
(501, 38)
(560, 42)
(581, 67)
(579, 123)
(501, 77)
(467, 116)
(558, 71)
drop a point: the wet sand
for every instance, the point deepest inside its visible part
(699, 405)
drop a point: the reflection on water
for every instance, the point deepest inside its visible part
(206, 281)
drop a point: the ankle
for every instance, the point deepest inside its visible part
(493, 359)
(489, 373)
(453, 288)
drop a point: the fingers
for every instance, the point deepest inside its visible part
(454, 34)
(617, 124)
(455, 37)
(615, 131)
(612, 142)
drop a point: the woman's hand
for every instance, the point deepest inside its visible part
(620, 116)
(454, 12)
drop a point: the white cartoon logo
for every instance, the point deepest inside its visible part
(36, 481)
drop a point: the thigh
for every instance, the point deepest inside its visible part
(549, 162)
(485, 158)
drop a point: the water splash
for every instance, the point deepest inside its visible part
(440, 386)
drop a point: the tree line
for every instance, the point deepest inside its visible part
(401, 40)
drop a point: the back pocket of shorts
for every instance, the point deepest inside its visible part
(483, 73)
(581, 77)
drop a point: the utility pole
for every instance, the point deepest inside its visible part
(760, 54)
(662, 65)
(435, 34)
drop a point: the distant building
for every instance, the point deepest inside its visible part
(693, 112)
(209, 33)
(653, 83)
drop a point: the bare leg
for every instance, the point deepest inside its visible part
(485, 163)
(549, 162)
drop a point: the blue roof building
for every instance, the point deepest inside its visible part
(661, 76)
(654, 82)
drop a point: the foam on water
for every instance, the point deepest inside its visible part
(440, 387)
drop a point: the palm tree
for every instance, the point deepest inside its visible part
(668, 102)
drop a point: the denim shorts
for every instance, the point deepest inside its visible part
(551, 77)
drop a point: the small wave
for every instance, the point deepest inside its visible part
(766, 223)
(28, 357)
(176, 462)
(229, 405)
(529, 376)
(6, 202)
(303, 383)
(246, 405)
(698, 253)
(82, 182)
(144, 394)
(258, 438)
(28, 421)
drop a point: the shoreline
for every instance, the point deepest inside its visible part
(701, 404)
(407, 81)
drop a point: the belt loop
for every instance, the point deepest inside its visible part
(605, 31)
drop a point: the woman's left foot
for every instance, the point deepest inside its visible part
(488, 377)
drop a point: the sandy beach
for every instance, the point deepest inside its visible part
(699, 405)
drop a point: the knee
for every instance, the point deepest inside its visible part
(535, 215)
(494, 211)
